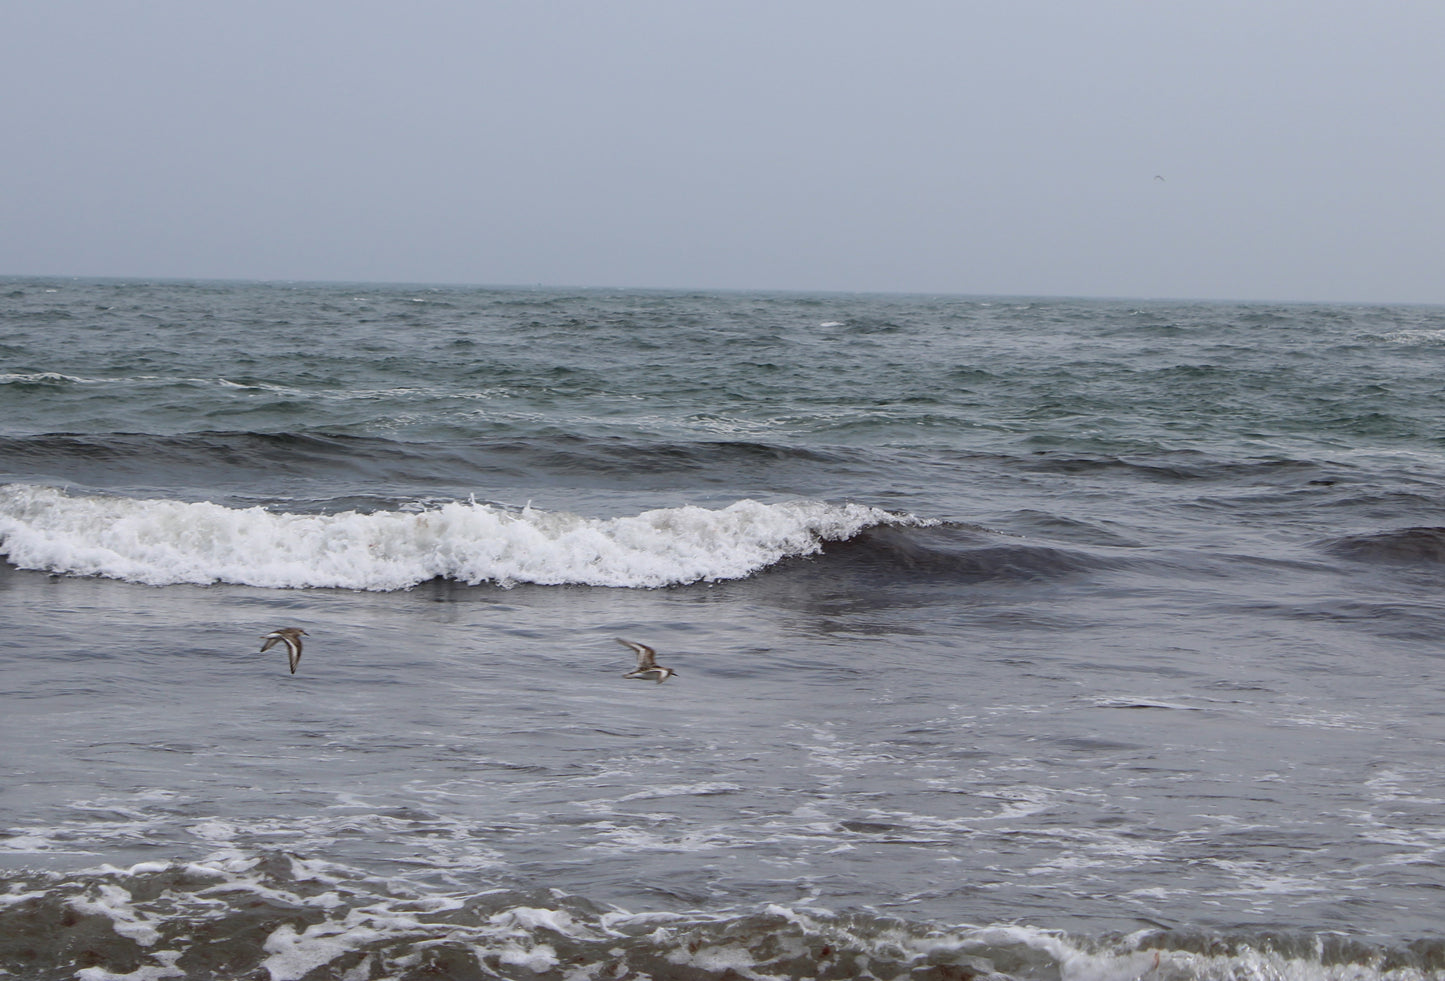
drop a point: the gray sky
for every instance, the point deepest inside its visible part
(1006, 146)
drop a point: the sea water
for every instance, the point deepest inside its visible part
(1027, 638)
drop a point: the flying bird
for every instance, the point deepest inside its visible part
(647, 666)
(291, 637)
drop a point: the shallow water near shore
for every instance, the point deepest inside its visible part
(1045, 639)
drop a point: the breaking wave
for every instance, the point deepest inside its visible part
(163, 542)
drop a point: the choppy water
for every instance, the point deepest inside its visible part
(1033, 638)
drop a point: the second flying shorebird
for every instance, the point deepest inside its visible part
(291, 637)
(647, 666)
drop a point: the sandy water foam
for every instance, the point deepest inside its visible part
(285, 917)
(273, 897)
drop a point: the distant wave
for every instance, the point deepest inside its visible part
(163, 542)
(1399, 545)
(955, 553)
(212, 459)
(47, 378)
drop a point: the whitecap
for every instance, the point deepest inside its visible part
(47, 377)
(163, 542)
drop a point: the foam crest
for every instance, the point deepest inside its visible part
(163, 542)
(44, 378)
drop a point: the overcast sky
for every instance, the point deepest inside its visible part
(997, 147)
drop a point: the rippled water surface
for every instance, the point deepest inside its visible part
(1042, 638)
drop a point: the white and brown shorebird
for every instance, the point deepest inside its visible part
(291, 637)
(647, 666)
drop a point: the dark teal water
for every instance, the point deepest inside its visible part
(1029, 637)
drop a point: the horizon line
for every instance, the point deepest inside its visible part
(796, 291)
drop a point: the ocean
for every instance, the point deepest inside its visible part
(1036, 639)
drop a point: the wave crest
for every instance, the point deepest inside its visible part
(164, 542)
(1398, 545)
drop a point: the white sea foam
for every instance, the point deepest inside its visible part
(45, 377)
(704, 789)
(1411, 337)
(114, 903)
(161, 542)
(294, 955)
(60, 379)
(166, 968)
